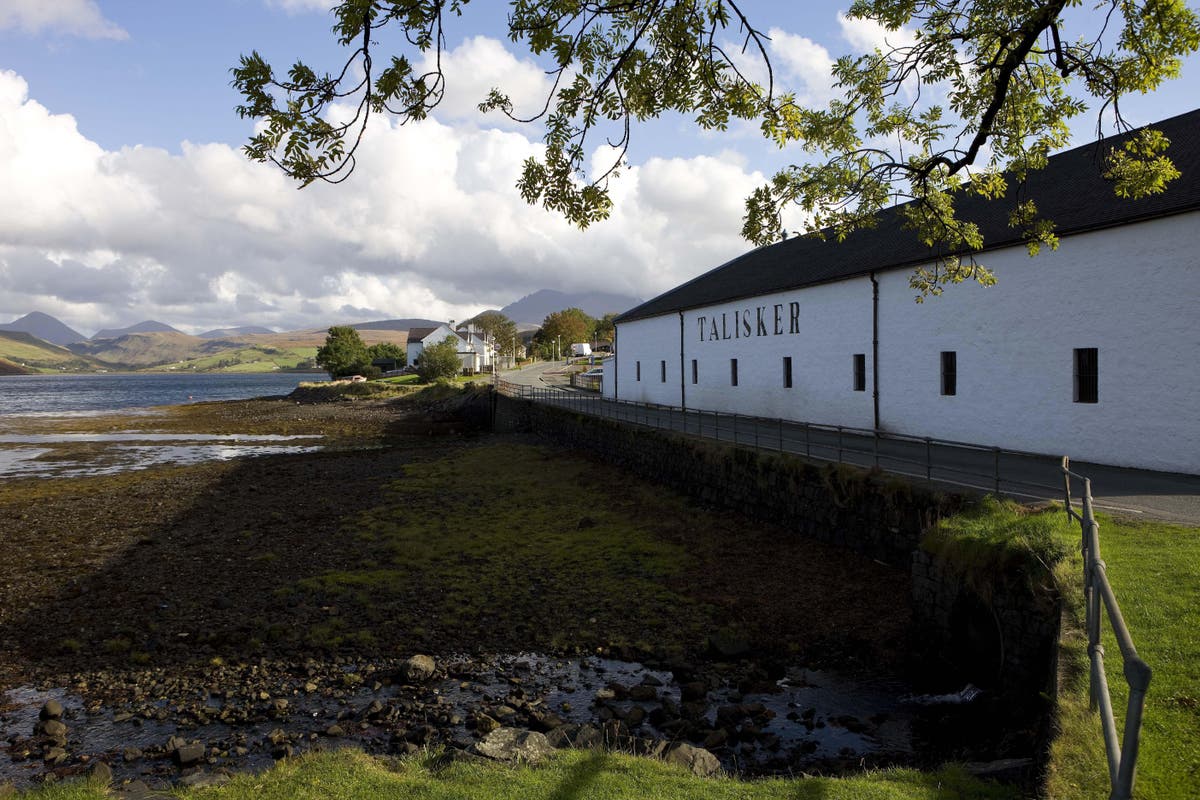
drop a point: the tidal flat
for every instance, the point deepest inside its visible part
(256, 607)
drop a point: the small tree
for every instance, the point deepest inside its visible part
(499, 328)
(439, 360)
(344, 352)
(564, 328)
(386, 350)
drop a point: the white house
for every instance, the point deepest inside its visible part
(420, 338)
(1088, 351)
(473, 351)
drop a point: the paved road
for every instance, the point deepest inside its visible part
(1129, 492)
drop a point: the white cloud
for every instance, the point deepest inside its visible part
(867, 35)
(302, 6)
(806, 66)
(429, 225)
(475, 67)
(70, 17)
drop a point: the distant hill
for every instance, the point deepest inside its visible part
(149, 326)
(25, 352)
(534, 308)
(140, 349)
(225, 333)
(395, 324)
(44, 327)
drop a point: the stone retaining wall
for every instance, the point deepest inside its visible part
(1007, 638)
(867, 512)
(1004, 634)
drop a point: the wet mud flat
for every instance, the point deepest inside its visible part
(197, 619)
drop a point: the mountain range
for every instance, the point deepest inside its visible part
(44, 327)
(39, 342)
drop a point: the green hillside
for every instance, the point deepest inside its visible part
(244, 357)
(25, 352)
(163, 351)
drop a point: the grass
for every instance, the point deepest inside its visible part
(998, 539)
(1154, 569)
(569, 775)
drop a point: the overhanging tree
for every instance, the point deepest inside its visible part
(972, 95)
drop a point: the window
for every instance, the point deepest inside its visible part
(1087, 375)
(949, 372)
(733, 372)
(662, 367)
(787, 372)
(639, 370)
(695, 372)
(860, 372)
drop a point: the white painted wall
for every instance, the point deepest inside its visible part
(649, 342)
(833, 322)
(1132, 292)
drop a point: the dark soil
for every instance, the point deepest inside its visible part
(146, 591)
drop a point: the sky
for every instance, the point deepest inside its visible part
(124, 194)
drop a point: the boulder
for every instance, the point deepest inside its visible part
(514, 745)
(52, 728)
(643, 693)
(485, 724)
(51, 710)
(695, 759)
(188, 755)
(417, 669)
(101, 772)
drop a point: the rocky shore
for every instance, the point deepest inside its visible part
(177, 624)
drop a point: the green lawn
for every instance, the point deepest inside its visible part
(1154, 569)
(571, 775)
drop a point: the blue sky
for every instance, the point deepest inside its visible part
(128, 198)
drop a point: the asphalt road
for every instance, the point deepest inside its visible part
(1128, 492)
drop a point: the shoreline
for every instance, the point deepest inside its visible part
(180, 596)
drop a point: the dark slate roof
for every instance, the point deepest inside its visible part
(417, 334)
(1071, 191)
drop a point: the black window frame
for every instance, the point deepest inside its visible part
(662, 366)
(695, 372)
(949, 361)
(733, 372)
(787, 372)
(638, 377)
(860, 372)
(1086, 374)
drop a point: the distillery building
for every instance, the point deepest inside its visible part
(1089, 350)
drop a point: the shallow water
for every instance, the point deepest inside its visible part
(38, 395)
(84, 454)
(836, 711)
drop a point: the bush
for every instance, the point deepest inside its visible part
(439, 360)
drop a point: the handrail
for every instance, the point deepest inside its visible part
(1122, 755)
(805, 438)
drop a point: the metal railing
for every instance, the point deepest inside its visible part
(1122, 754)
(940, 461)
